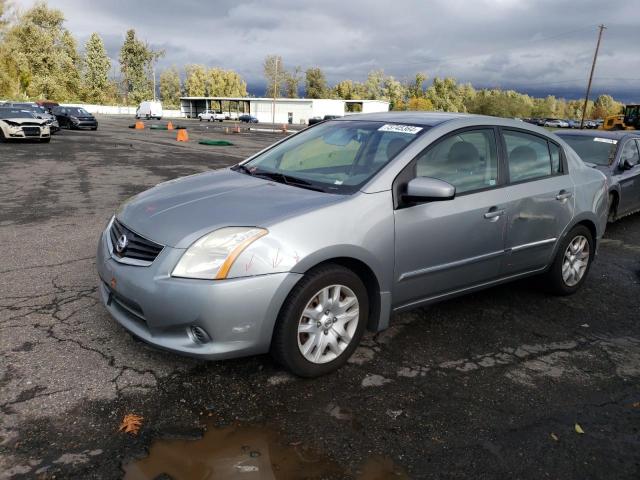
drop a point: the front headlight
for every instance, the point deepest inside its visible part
(212, 256)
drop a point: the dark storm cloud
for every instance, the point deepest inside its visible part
(530, 45)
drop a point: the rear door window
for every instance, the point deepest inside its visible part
(530, 157)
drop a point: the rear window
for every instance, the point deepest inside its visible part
(597, 150)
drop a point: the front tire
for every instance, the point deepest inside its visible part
(572, 263)
(321, 322)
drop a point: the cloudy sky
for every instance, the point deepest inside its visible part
(537, 46)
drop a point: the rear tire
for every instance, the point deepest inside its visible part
(569, 271)
(303, 324)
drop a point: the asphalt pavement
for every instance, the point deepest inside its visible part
(505, 383)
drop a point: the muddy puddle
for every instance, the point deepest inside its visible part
(245, 452)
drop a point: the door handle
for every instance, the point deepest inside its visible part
(563, 195)
(494, 214)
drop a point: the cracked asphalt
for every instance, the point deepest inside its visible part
(491, 385)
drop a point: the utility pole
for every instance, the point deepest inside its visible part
(593, 67)
(275, 89)
(154, 82)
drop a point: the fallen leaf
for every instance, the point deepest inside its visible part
(579, 429)
(554, 436)
(131, 423)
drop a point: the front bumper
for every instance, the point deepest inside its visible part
(85, 124)
(237, 314)
(19, 134)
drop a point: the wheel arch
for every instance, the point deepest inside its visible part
(368, 277)
(369, 271)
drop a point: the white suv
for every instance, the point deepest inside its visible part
(210, 115)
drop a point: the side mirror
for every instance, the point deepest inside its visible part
(627, 165)
(425, 189)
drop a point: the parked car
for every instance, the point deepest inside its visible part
(555, 122)
(248, 118)
(150, 110)
(590, 124)
(39, 112)
(314, 120)
(47, 104)
(75, 118)
(210, 115)
(617, 155)
(303, 246)
(18, 124)
(573, 123)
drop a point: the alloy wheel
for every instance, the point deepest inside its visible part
(576, 260)
(328, 323)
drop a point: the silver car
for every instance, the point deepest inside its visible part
(303, 246)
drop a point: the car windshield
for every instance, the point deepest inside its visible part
(336, 156)
(11, 113)
(78, 111)
(592, 149)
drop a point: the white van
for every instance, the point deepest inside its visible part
(149, 110)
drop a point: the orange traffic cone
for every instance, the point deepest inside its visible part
(139, 125)
(284, 127)
(169, 125)
(182, 135)
(237, 129)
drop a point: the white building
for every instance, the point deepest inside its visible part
(287, 110)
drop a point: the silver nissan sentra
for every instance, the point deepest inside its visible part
(303, 246)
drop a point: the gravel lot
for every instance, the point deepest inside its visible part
(493, 385)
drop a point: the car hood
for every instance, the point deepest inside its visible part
(606, 169)
(178, 212)
(25, 121)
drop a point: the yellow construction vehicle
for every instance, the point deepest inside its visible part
(629, 120)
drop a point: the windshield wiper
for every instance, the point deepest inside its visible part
(288, 180)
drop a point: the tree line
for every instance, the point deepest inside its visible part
(39, 58)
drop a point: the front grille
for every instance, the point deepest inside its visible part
(31, 131)
(136, 247)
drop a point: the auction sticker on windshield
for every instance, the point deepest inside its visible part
(605, 140)
(410, 129)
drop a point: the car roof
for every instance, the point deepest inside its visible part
(429, 119)
(613, 134)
